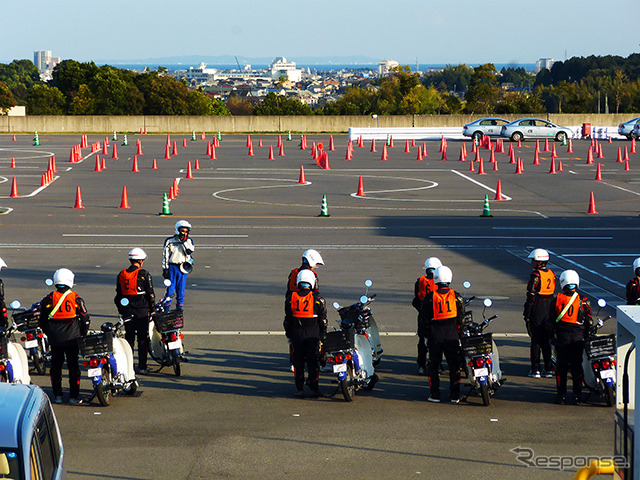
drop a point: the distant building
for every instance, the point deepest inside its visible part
(45, 63)
(280, 67)
(544, 63)
(385, 66)
(200, 75)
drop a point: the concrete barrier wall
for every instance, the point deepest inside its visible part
(248, 124)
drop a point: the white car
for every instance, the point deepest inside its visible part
(626, 129)
(535, 128)
(485, 126)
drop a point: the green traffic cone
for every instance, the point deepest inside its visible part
(388, 140)
(193, 136)
(485, 211)
(289, 136)
(36, 139)
(165, 206)
(564, 141)
(124, 140)
(219, 136)
(324, 210)
(115, 137)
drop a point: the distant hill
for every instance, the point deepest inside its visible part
(230, 60)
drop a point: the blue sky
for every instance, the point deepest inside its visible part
(463, 31)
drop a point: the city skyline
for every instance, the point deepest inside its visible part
(428, 32)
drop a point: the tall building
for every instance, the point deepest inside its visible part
(385, 66)
(282, 68)
(41, 59)
(544, 63)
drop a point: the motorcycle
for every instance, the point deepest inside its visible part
(481, 358)
(165, 336)
(354, 349)
(35, 341)
(599, 361)
(109, 359)
(14, 364)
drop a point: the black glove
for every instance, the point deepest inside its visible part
(528, 325)
(165, 273)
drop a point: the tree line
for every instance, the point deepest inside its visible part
(577, 85)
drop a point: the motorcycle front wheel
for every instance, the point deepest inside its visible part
(103, 389)
(347, 385)
(485, 394)
(609, 395)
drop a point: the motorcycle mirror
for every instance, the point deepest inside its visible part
(368, 283)
(167, 282)
(124, 302)
(15, 304)
(48, 282)
(488, 302)
(336, 305)
(602, 303)
(364, 299)
(466, 284)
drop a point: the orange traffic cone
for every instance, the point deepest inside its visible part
(14, 188)
(360, 192)
(184, 142)
(325, 161)
(592, 205)
(499, 196)
(189, 171)
(98, 167)
(626, 154)
(281, 152)
(419, 157)
(260, 142)
(14, 137)
(495, 166)
(391, 145)
(78, 198)
(481, 167)
(135, 165)
(385, 156)
(115, 152)
(519, 143)
(302, 179)
(570, 146)
(248, 140)
(600, 154)
(167, 152)
(461, 158)
(208, 149)
(105, 150)
(519, 169)
(590, 156)
(270, 157)
(406, 146)
(176, 187)
(633, 145)
(348, 155)
(125, 201)
(536, 158)
(546, 145)
(43, 181)
(598, 173)
(104, 163)
(196, 166)
(554, 153)
(251, 154)
(154, 165)
(444, 154)
(619, 158)
(373, 145)
(13, 162)
(626, 166)
(552, 170)
(139, 148)
(213, 153)
(492, 157)
(172, 193)
(471, 167)
(424, 150)
(175, 148)
(559, 165)
(331, 144)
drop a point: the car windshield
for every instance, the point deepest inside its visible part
(9, 467)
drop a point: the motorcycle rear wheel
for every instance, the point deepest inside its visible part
(485, 394)
(177, 369)
(609, 395)
(39, 363)
(347, 385)
(103, 389)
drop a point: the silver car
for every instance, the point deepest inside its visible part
(626, 128)
(635, 133)
(535, 128)
(485, 126)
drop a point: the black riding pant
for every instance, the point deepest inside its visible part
(58, 355)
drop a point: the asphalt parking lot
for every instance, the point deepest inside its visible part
(232, 413)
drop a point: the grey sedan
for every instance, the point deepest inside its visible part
(534, 128)
(626, 128)
(484, 126)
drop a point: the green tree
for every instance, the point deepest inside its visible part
(238, 106)
(19, 76)
(7, 102)
(45, 100)
(453, 78)
(115, 96)
(68, 75)
(421, 100)
(483, 92)
(199, 103)
(280, 105)
(83, 103)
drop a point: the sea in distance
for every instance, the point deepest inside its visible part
(530, 67)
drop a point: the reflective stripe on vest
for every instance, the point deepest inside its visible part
(67, 309)
(129, 282)
(568, 308)
(444, 305)
(547, 282)
(425, 285)
(302, 306)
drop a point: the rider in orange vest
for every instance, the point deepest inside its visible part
(310, 259)
(424, 285)
(135, 284)
(537, 307)
(633, 287)
(572, 315)
(305, 322)
(443, 311)
(64, 319)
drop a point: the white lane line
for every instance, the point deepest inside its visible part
(144, 235)
(621, 188)
(277, 333)
(466, 177)
(606, 255)
(35, 192)
(5, 210)
(551, 229)
(515, 238)
(579, 265)
(88, 246)
(431, 182)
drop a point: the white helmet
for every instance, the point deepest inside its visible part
(432, 262)
(2, 264)
(636, 264)
(182, 224)
(539, 255)
(306, 276)
(313, 258)
(569, 277)
(442, 275)
(63, 276)
(137, 254)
